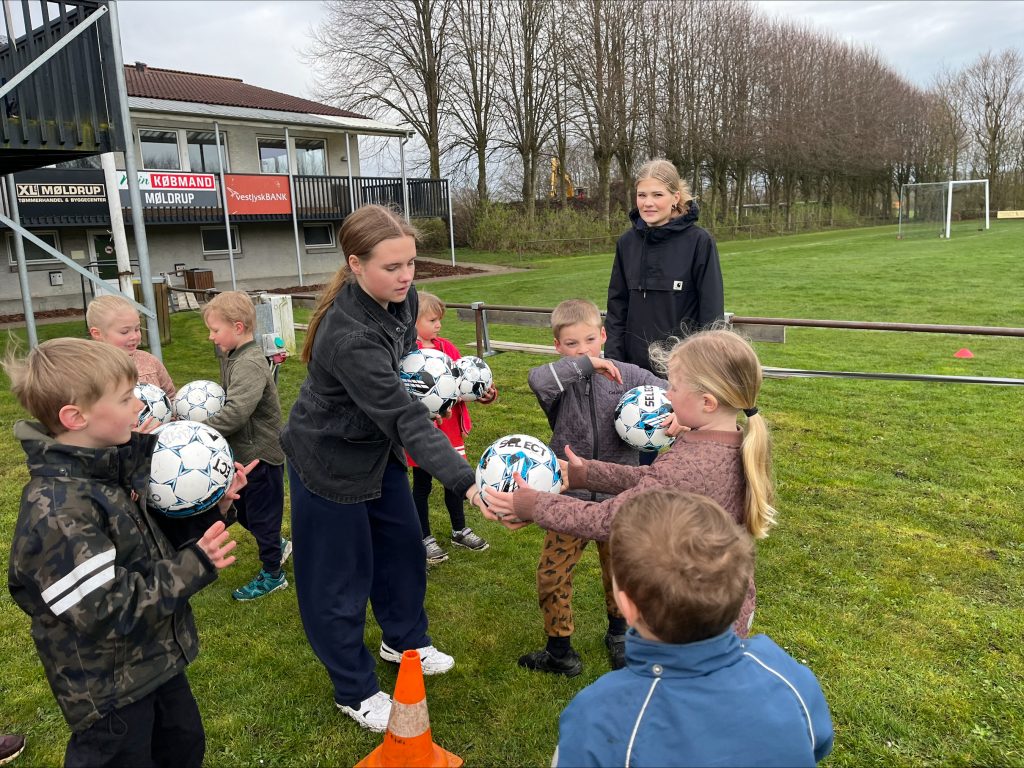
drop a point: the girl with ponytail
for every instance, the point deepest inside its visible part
(355, 532)
(714, 378)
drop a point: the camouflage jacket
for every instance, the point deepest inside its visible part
(107, 594)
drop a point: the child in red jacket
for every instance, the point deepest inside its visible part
(455, 425)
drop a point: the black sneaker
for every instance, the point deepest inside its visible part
(569, 665)
(616, 645)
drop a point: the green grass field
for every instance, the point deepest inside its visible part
(895, 571)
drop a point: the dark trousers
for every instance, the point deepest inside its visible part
(260, 510)
(346, 554)
(162, 729)
(647, 458)
(422, 483)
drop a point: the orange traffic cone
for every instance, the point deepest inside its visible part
(408, 742)
(964, 353)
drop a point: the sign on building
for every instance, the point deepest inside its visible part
(55, 192)
(164, 189)
(249, 194)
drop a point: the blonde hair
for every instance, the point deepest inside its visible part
(101, 309)
(723, 364)
(63, 372)
(573, 311)
(683, 562)
(233, 306)
(430, 305)
(359, 235)
(664, 171)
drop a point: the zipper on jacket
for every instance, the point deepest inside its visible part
(643, 264)
(593, 427)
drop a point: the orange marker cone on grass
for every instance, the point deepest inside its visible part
(964, 353)
(408, 742)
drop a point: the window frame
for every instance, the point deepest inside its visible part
(220, 254)
(224, 144)
(287, 155)
(177, 148)
(295, 152)
(50, 261)
(319, 246)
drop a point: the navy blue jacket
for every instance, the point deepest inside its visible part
(666, 281)
(721, 701)
(353, 411)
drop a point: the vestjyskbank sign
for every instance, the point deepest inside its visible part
(257, 194)
(161, 189)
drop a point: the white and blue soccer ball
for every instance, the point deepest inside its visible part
(191, 469)
(428, 375)
(199, 400)
(155, 404)
(475, 377)
(639, 415)
(524, 454)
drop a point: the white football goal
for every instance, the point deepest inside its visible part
(936, 208)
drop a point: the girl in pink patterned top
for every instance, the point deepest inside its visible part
(714, 376)
(455, 426)
(114, 320)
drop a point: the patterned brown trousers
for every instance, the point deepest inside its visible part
(554, 580)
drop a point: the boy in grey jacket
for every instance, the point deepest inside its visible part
(580, 408)
(250, 421)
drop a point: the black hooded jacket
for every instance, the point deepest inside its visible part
(666, 281)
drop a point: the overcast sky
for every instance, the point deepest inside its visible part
(259, 40)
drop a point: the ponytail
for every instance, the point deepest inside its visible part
(322, 305)
(757, 469)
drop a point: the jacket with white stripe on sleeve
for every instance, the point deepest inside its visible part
(107, 593)
(720, 701)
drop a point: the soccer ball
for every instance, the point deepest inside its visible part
(192, 467)
(523, 454)
(638, 418)
(428, 376)
(199, 400)
(155, 404)
(475, 377)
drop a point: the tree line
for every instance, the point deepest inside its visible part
(754, 111)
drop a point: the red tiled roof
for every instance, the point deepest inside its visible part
(154, 83)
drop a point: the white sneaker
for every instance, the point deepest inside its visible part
(434, 662)
(373, 713)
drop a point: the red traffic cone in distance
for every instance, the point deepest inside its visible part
(408, 742)
(963, 353)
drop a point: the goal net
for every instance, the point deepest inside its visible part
(943, 208)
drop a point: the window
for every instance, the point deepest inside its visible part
(273, 156)
(92, 162)
(33, 253)
(311, 157)
(318, 235)
(215, 241)
(159, 150)
(202, 151)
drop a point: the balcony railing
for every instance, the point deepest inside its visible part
(63, 109)
(317, 198)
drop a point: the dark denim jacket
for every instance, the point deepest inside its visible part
(352, 410)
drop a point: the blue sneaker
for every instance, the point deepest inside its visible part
(261, 586)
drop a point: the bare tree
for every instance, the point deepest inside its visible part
(994, 86)
(474, 70)
(387, 55)
(525, 84)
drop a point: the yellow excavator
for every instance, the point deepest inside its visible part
(570, 191)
